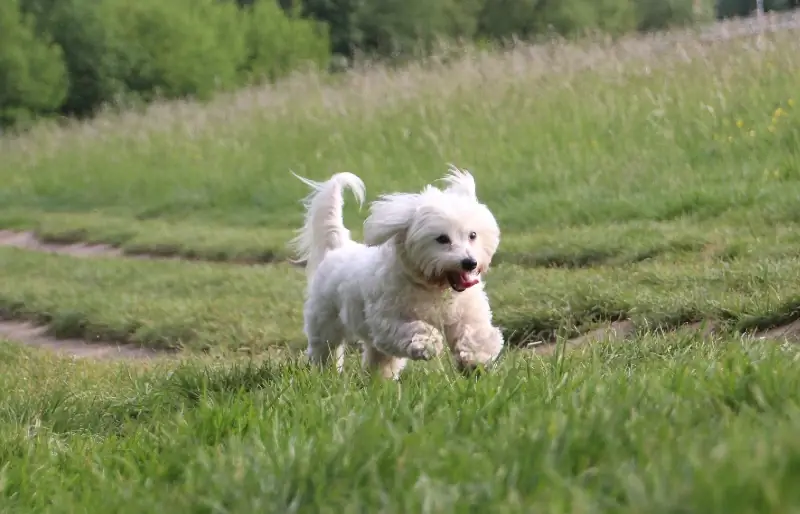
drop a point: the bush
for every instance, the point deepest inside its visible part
(181, 47)
(392, 28)
(401, 27)
(503, 19)
(528, 19)
(32, 71)
(573, 17)
(89, 33)
(732, 8)
(279, 43)
(663, 14)
(117, 50)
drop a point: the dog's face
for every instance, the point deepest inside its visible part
(446, 236)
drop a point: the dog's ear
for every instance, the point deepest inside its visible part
(459, 182)
(389, 216)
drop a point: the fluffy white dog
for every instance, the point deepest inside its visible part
(415, 283)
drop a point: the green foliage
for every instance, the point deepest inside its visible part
(88, 31)
(731, 8)
(404, 27)
(393, 27)
(116, 50)
(572, 17)
(278, 43)
(182, 47)
(661, 14)
(32, 71)
(528, 19)
(342, 16)
(499, 19)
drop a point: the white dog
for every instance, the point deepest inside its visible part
(415, 284)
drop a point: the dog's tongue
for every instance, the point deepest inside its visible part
(467, 280)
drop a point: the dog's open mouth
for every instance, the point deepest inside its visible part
(462, 280)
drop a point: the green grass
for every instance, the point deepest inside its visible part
(568, 136)
(654, 179)
(221, 308)
(661, 426)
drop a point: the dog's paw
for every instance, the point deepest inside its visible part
(424, 346)
(478, 349)
(471, 361)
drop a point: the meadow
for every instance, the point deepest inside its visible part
(652, 181)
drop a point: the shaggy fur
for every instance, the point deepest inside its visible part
(412, 288)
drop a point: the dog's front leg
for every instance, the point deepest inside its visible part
(474, 346)
(414, 340)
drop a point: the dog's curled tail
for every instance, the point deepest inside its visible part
(324, 228)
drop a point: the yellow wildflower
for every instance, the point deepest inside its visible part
(790, 102)
(779, 112)
(739, 123)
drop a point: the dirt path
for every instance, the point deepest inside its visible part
(32, 335)
(620, 331)
(36, 336)
(29, 241)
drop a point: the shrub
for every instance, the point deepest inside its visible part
(527, 19)
(503, 19)
(392, 28)
(663, 14)
(279, 43)
(342, 18)
(401, 28)
(732, 8)
(181, 47)
(32, 71)
(571, 17)
(89, 33)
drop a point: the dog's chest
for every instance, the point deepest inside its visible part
(434, 310)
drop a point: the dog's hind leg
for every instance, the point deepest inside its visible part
(380, 364)
(320, 350)
(325, 339)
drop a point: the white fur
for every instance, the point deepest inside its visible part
(391, 293)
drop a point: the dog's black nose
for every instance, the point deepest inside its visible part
(469, 264)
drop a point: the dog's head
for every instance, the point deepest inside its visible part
(447, 237)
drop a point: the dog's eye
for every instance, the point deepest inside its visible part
(472, 236)
(443, 239)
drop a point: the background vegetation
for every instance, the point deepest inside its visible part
(74, 57)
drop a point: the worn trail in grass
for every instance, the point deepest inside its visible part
(222, 307)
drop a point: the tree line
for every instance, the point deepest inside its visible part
(73, 57)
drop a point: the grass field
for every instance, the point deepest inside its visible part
(655, 180)
(665, 425)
